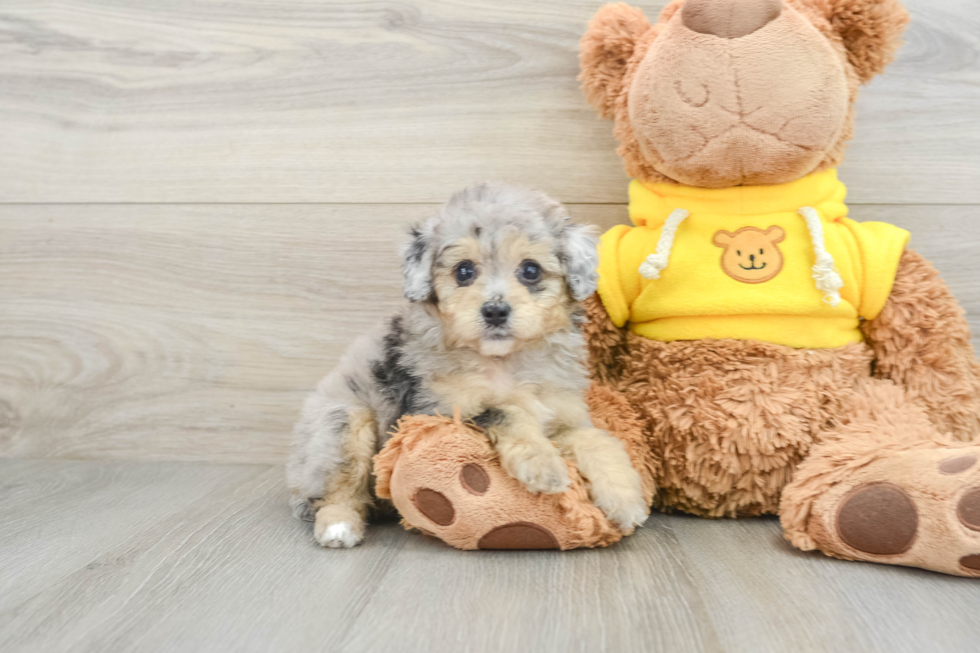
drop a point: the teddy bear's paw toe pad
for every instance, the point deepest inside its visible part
(957, 464)
(968, 509)
(439, 510)
(435, 506)
(474, 479)
(519, 535)
(971, 562)
(879, 519)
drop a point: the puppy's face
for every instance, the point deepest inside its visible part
(498, 290)
(502, 266)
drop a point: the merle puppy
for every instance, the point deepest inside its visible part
(492, 328)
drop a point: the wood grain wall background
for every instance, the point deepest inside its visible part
(200, 200)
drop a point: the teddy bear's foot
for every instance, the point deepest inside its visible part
(919, 508)
(447, 481)
(888, 488)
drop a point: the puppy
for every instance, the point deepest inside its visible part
(492, 327)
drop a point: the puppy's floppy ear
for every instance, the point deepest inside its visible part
(605, 51)
(871, 31)
(579, 253)
(417, 261)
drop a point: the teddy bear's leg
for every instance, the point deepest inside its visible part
(446, 480)
(885, 486)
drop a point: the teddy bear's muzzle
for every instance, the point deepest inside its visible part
(729, 19)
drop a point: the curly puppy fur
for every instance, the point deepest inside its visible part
(492, 328)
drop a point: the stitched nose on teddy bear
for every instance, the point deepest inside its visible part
(729, 19)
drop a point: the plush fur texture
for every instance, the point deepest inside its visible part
(922, 342)
(728, 420)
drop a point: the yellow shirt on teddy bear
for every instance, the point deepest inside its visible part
(741, 264)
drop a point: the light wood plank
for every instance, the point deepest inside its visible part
(231, 570)
(640, 598)
(744, 569)
(57, 517)
(334, 101)
(193, 332)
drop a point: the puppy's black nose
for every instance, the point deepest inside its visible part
(495, 313)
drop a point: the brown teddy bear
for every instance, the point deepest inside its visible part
(757, 350)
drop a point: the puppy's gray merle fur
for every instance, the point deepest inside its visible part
(491, 327)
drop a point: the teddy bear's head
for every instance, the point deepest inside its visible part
(721, 93)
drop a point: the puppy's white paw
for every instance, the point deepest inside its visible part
(542, 472)
(621, 500)
(628, 516)
(340, 535)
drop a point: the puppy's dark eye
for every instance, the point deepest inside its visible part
(529, 272)
(465, 273)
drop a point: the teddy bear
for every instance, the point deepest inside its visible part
(756, 349)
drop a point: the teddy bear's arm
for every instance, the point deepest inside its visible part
(921, 341)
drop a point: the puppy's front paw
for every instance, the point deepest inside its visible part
(622, 503)
(337, 536)
(541, 472)
(334, 533)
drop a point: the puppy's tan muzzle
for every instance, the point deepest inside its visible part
(729, 19)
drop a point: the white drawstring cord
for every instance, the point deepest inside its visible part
(656, 262)
(824, 270)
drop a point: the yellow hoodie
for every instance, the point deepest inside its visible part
(781, 264)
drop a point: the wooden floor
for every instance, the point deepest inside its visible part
(121, 556)
(200, 206)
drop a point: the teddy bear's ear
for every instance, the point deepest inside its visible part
(722, 238)
(605, 51)
(871, 31)
(775, 234)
